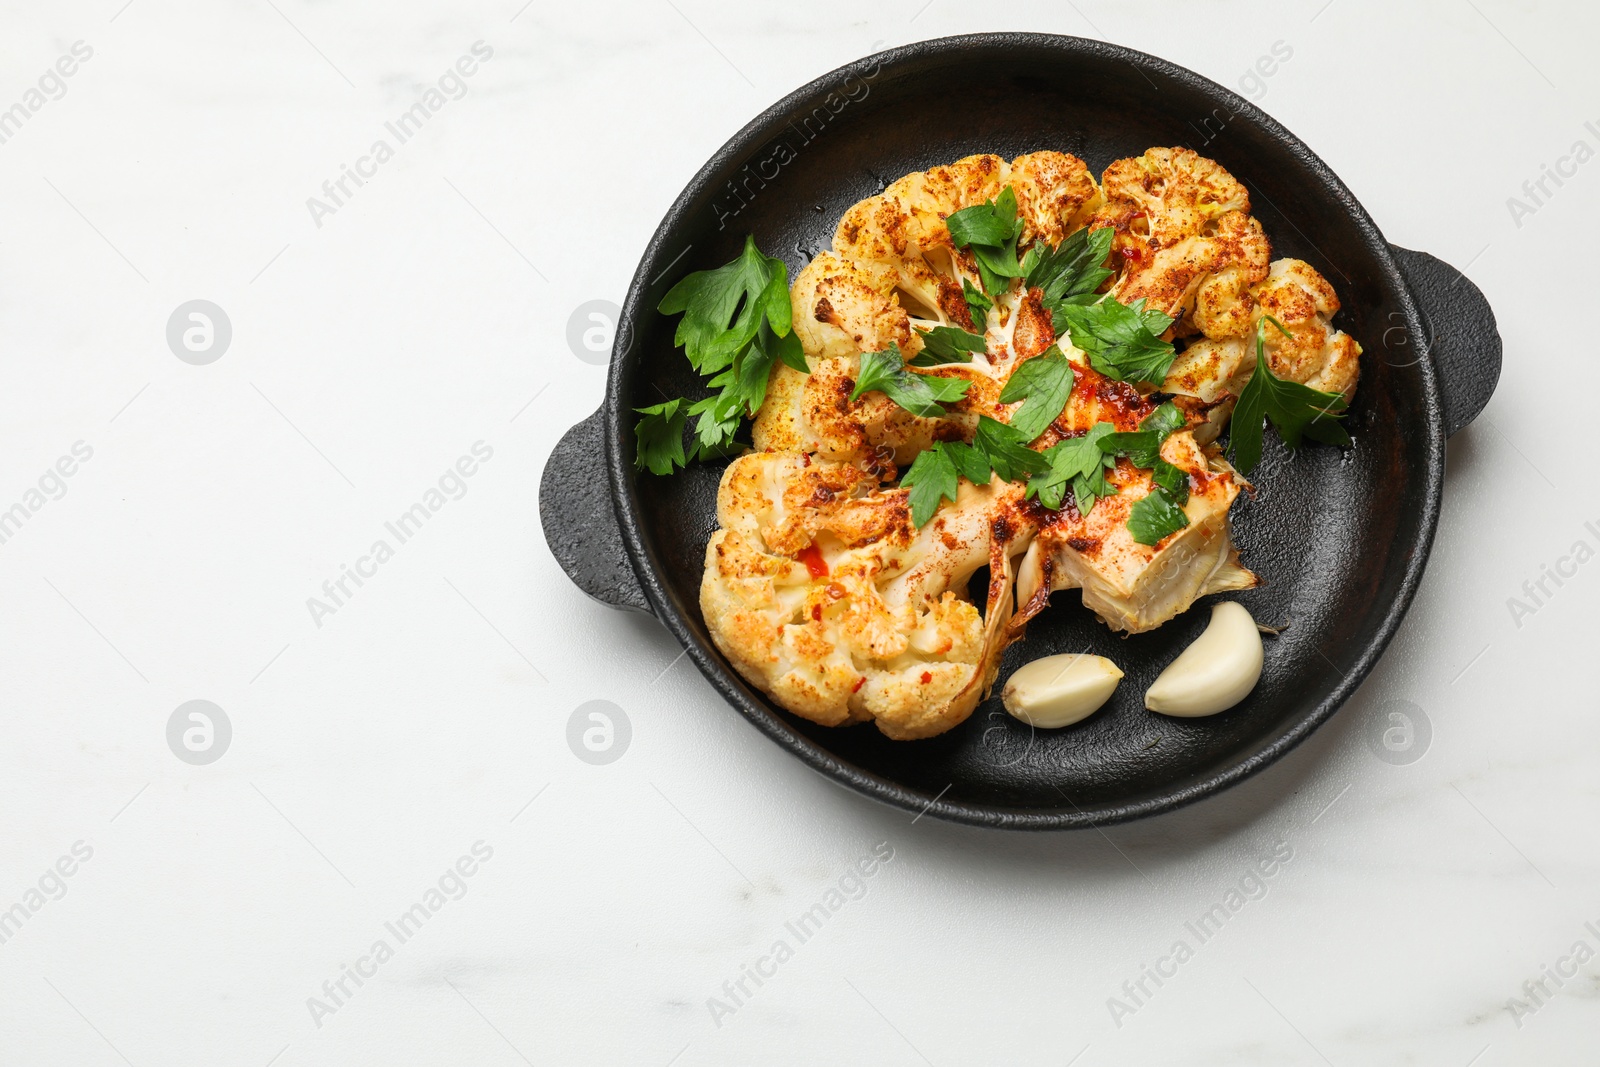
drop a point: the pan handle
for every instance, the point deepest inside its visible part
(580, 524)
(1462, 337)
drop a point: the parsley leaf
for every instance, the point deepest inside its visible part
(1043, 384)
(1121, 340)
(787, 347)
(1164, 420)
(979, 225)
(948, 344)
(1296, 410)
(1083, 461)
(659, 436)
(932, 478)
(1073, 270)
(723, 308)
(747, 378)
(1142, 447)
(991, 230)
(1089, 489)
(970, 463)
(978, 305)
(1155, 516)
(1074, 460)
(996, 266)
(1173, 480)
(717, 422)
(920, 394)
(1007, 450)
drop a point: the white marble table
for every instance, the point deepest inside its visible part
(406, 744)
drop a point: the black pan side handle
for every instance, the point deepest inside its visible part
(1462, 337)
(580, 524)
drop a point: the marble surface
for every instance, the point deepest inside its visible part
(409, 744)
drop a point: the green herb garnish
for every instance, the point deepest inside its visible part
(736, 324)
(1006, 449)
(1296, 410)
(1043, 384)
(920, 394)
(1080, 463)
(978, 305)
(948, 344)
(996, 449)
(990, 230)
(658, 437)
(1122, 341)
(1072, 271)
(1154, 516)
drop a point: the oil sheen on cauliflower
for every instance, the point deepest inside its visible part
(817, 585)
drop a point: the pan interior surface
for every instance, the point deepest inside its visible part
(1337, 536)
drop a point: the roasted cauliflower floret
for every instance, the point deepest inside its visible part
(814, 413)
(840, 310)
(824, 595)
(1181, 222)
(1056, 195)
(1316, 353)
(928, 197)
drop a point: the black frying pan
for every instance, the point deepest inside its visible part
(1339, 537)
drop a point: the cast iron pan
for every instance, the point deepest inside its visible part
(1339, 537)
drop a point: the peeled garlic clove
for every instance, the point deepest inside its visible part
(1214, 673)
(1060, 690)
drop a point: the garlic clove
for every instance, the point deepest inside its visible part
(1060, 690)
(1214, 673)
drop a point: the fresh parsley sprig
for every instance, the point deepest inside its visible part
(1006, 449)
(1160, 511)
(1122, 341)
(736, 324)
(723, 308)
(1298, 411)
(1154, 516)
(1042, 384)
(1077, 462)
(658, 437)
(990, 230)
(920, 394)
(935, 476)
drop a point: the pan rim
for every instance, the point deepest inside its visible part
(754, 706)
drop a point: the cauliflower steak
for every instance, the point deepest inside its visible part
(821, 587)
